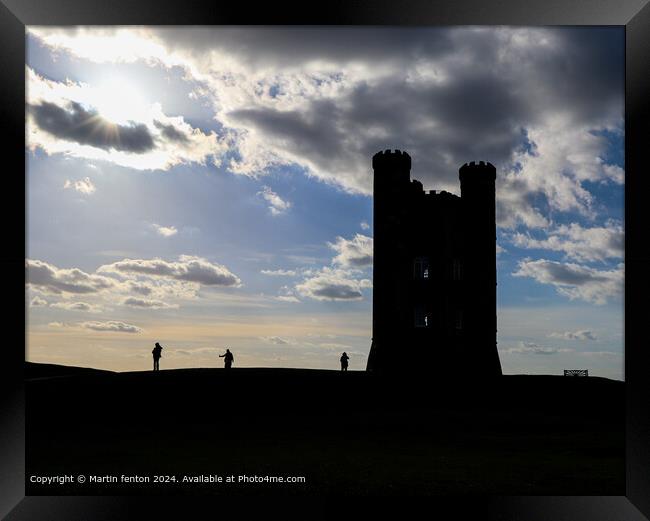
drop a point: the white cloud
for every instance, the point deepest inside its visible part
(37, 302)
(77, 306)
(534, 349)
(578, 243)
(573, 280)
(333, 284)
(364, 225)
(165, 231)
(584, 334)
(612, 354)
(57, 325)
(277, 205)
(286, 298)
(111, 325)
(276, 340)
(85, 185)
(280, 273)
(353, 253)
(114, 326)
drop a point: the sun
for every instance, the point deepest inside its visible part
(119, 101)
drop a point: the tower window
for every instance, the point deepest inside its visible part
(421, 268)
(422, 317)
(457, 270)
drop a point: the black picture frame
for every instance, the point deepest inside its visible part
(633, 14)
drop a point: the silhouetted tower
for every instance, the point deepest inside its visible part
(434, 274)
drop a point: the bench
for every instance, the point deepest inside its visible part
(576, 372)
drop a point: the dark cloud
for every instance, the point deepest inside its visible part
(187, 268)
(88, 127)
(574, 280)
(337, 292)
(171, 133)
(58, 280)
(293, 46)
(333, 284)
(136, 302)
(140, 288)
(494, 84)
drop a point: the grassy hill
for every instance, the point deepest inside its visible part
(353, 433)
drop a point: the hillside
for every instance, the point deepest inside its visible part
(349, 433)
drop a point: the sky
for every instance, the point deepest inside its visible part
(211, 187)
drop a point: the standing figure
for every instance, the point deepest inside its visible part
(228, 359)
(157, 353)
(344, 361)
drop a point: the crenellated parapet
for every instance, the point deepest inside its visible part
(393, 159)
(482, 170)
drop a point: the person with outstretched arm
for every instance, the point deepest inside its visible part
(228, 359)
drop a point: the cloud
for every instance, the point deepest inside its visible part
(139, 287)
(333, 284)
(575, 335)
(55, 280)
(534, 349)
(188, 268)
(73, 122)
(277, 205)
(171, 133)
(573, 280)
(286, 298)
(364, 225)
(165, 231)
(75, 119)
(353, 253)
(111, 325)
(339, 282)
(136, 302)
(114, 326)
(77, 306)
(280, 273)
(327, 99)
(37, 302)
(85, 185)
(58, 325)
(275, 340)
(578, 243)
(601, 353)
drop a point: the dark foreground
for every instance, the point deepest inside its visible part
(348, 433)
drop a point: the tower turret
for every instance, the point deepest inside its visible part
(478, 196)
(391, 190)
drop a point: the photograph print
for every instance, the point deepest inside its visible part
(325, 260)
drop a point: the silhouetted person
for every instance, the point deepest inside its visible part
(228, 359)
(344, 361)
(157, 353)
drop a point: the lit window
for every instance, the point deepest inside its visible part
(421, 268)
(422, 317)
